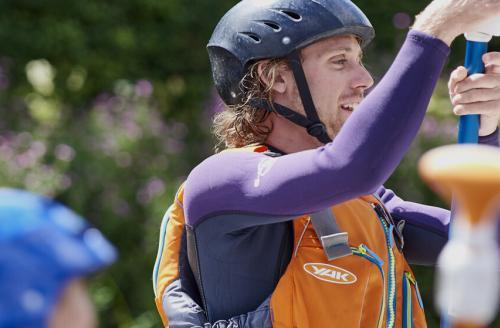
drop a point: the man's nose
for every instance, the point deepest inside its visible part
(363, 79)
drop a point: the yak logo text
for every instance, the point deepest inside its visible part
(330, 273)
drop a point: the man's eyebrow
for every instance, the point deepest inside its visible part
(338, 51)
(342, 49)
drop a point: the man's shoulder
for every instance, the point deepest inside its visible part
(218, 178)
(224, 161)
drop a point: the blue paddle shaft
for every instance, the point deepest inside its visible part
(468, 128)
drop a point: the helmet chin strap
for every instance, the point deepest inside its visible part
(311, 121)
(316, 128)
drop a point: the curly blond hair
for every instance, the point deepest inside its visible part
(243, 124)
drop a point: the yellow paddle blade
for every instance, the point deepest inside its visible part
(470, 172)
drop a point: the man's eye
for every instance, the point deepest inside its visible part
(340, 62)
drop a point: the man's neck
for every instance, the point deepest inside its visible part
(289, 137)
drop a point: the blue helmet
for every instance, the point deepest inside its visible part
(262, 29)
(43, 245)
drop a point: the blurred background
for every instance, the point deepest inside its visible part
(106, 106)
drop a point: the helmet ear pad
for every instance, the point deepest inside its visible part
(227, 71)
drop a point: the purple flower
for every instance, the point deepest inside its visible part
(173, 146)
(401, 20)
(64, 153)
(143, 88)
(430, 127)
(153, 188)
(120, 207)
(66, 182)
(25, 160)
(103, 100)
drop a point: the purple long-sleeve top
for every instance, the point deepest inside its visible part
(234, 191)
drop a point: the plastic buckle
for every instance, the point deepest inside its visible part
(336, 246)
(399, 232)
(316, 129)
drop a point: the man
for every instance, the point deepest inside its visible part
(282, 227)
(46, 251)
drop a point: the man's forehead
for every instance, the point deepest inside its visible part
(339, 43)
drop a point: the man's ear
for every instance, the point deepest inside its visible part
(278, 76)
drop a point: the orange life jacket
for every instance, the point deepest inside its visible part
(372, 287)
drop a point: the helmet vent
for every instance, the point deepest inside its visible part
(272, 25)
(254, 37)
(291, 14)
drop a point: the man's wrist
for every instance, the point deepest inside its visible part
(429, 40)
(435, 22)
(433, 28)
(445, 37)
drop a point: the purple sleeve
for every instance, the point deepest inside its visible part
(426, 227)
(363, 155)
(491, 139)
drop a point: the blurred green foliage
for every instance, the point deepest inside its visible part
(106, 106)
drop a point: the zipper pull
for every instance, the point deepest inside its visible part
(411, 278)
(359, 249)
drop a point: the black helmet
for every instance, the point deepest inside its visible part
(259, 29)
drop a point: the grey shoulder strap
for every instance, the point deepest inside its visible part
(334, 242)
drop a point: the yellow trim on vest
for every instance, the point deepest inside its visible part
(169, 266)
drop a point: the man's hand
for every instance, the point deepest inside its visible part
(447, 19)
(478, 93)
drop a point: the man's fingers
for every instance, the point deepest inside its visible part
(492, 69)
(492, 62)
(479, 93)
(481, 108)
(492, 66)
(475, 95)
(478, 81)
(491, 58)
(459, 74)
